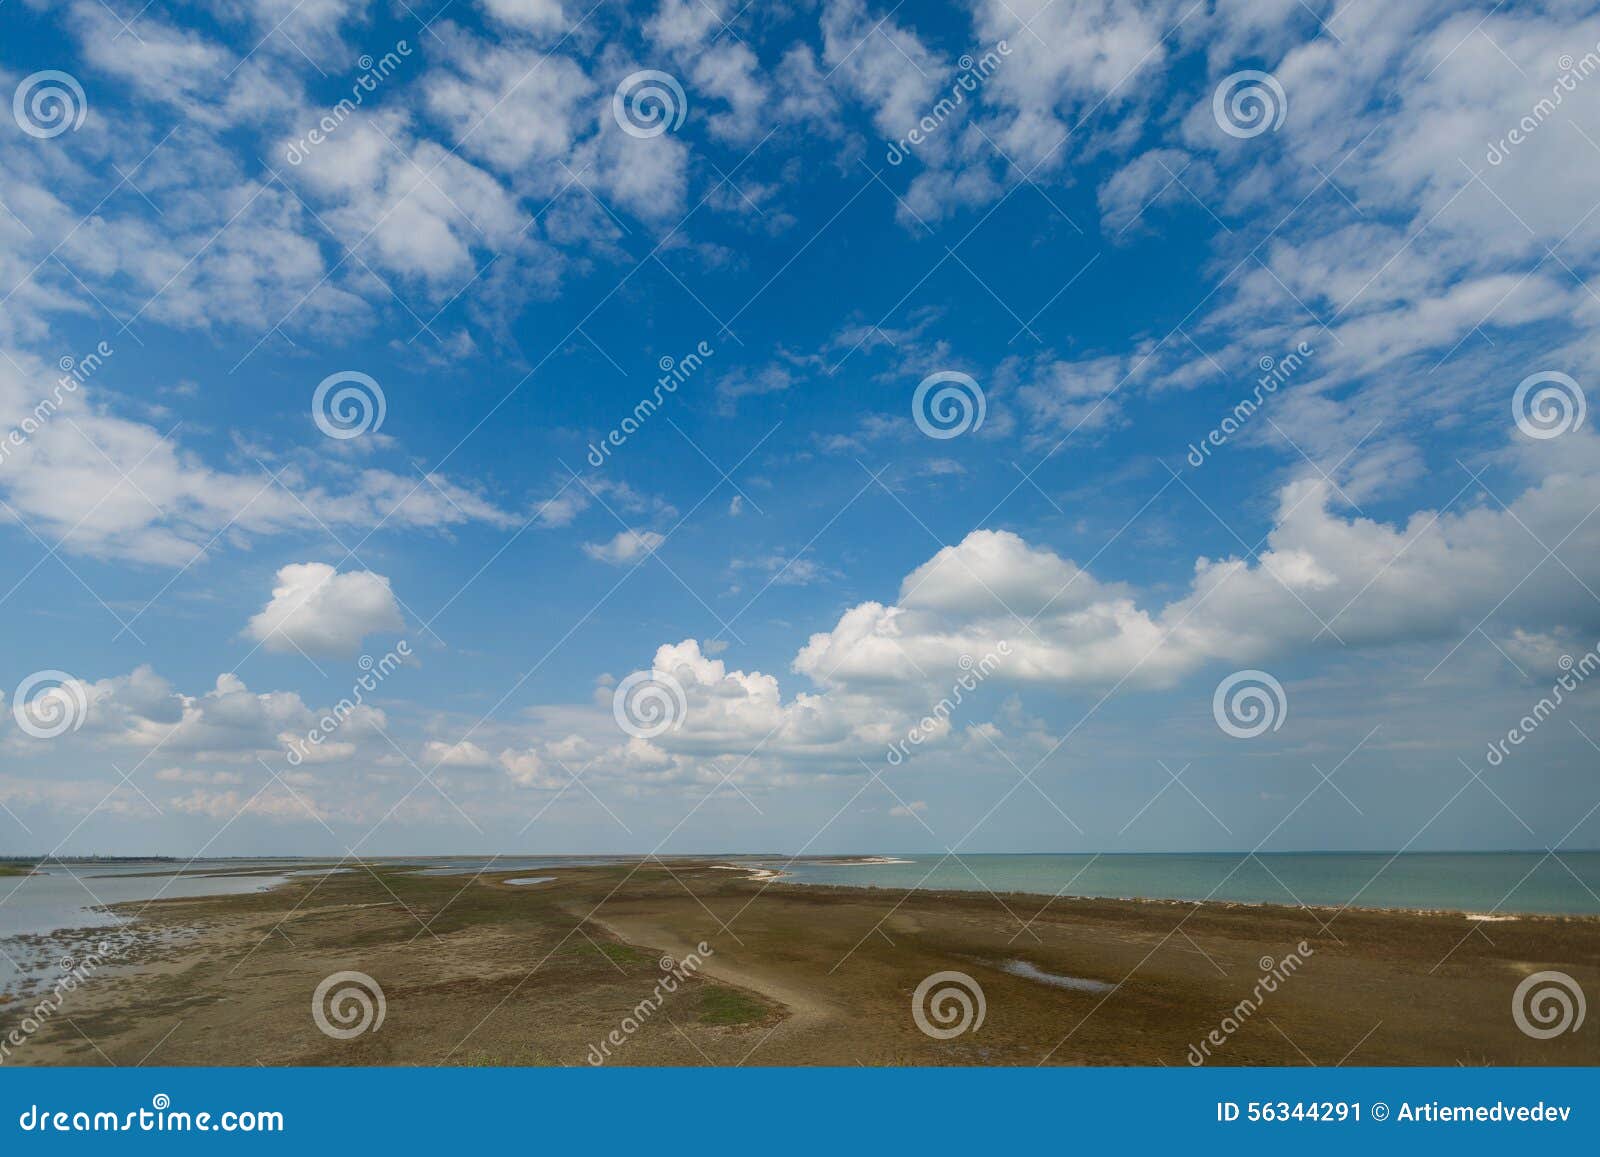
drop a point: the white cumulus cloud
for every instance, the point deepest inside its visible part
(628, 546)
(319, 611)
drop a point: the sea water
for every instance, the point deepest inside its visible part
(1481, 882)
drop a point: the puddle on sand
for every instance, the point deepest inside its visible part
(1033, 972)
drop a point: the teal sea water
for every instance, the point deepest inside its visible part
(1503, 883)
(1486, 882)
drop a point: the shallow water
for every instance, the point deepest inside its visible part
(1031, 971)
(70, 895)
(1501, 882)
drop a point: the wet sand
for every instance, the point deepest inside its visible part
(476, 971)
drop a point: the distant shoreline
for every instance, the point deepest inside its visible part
(401, 858)
(1404, 883)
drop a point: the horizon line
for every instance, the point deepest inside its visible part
(785, 855)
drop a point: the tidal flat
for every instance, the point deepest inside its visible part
(476, 970)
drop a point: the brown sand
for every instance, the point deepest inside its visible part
(477, 972)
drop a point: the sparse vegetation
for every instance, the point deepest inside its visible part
(722, 1005)
(623, 954)
(478, 974)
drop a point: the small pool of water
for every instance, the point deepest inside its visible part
(1033, 972)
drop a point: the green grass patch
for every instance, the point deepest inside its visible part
(623, 953)
(720, 1005)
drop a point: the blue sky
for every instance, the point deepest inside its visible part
(1113, 223)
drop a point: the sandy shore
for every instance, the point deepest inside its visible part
(476, 971)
